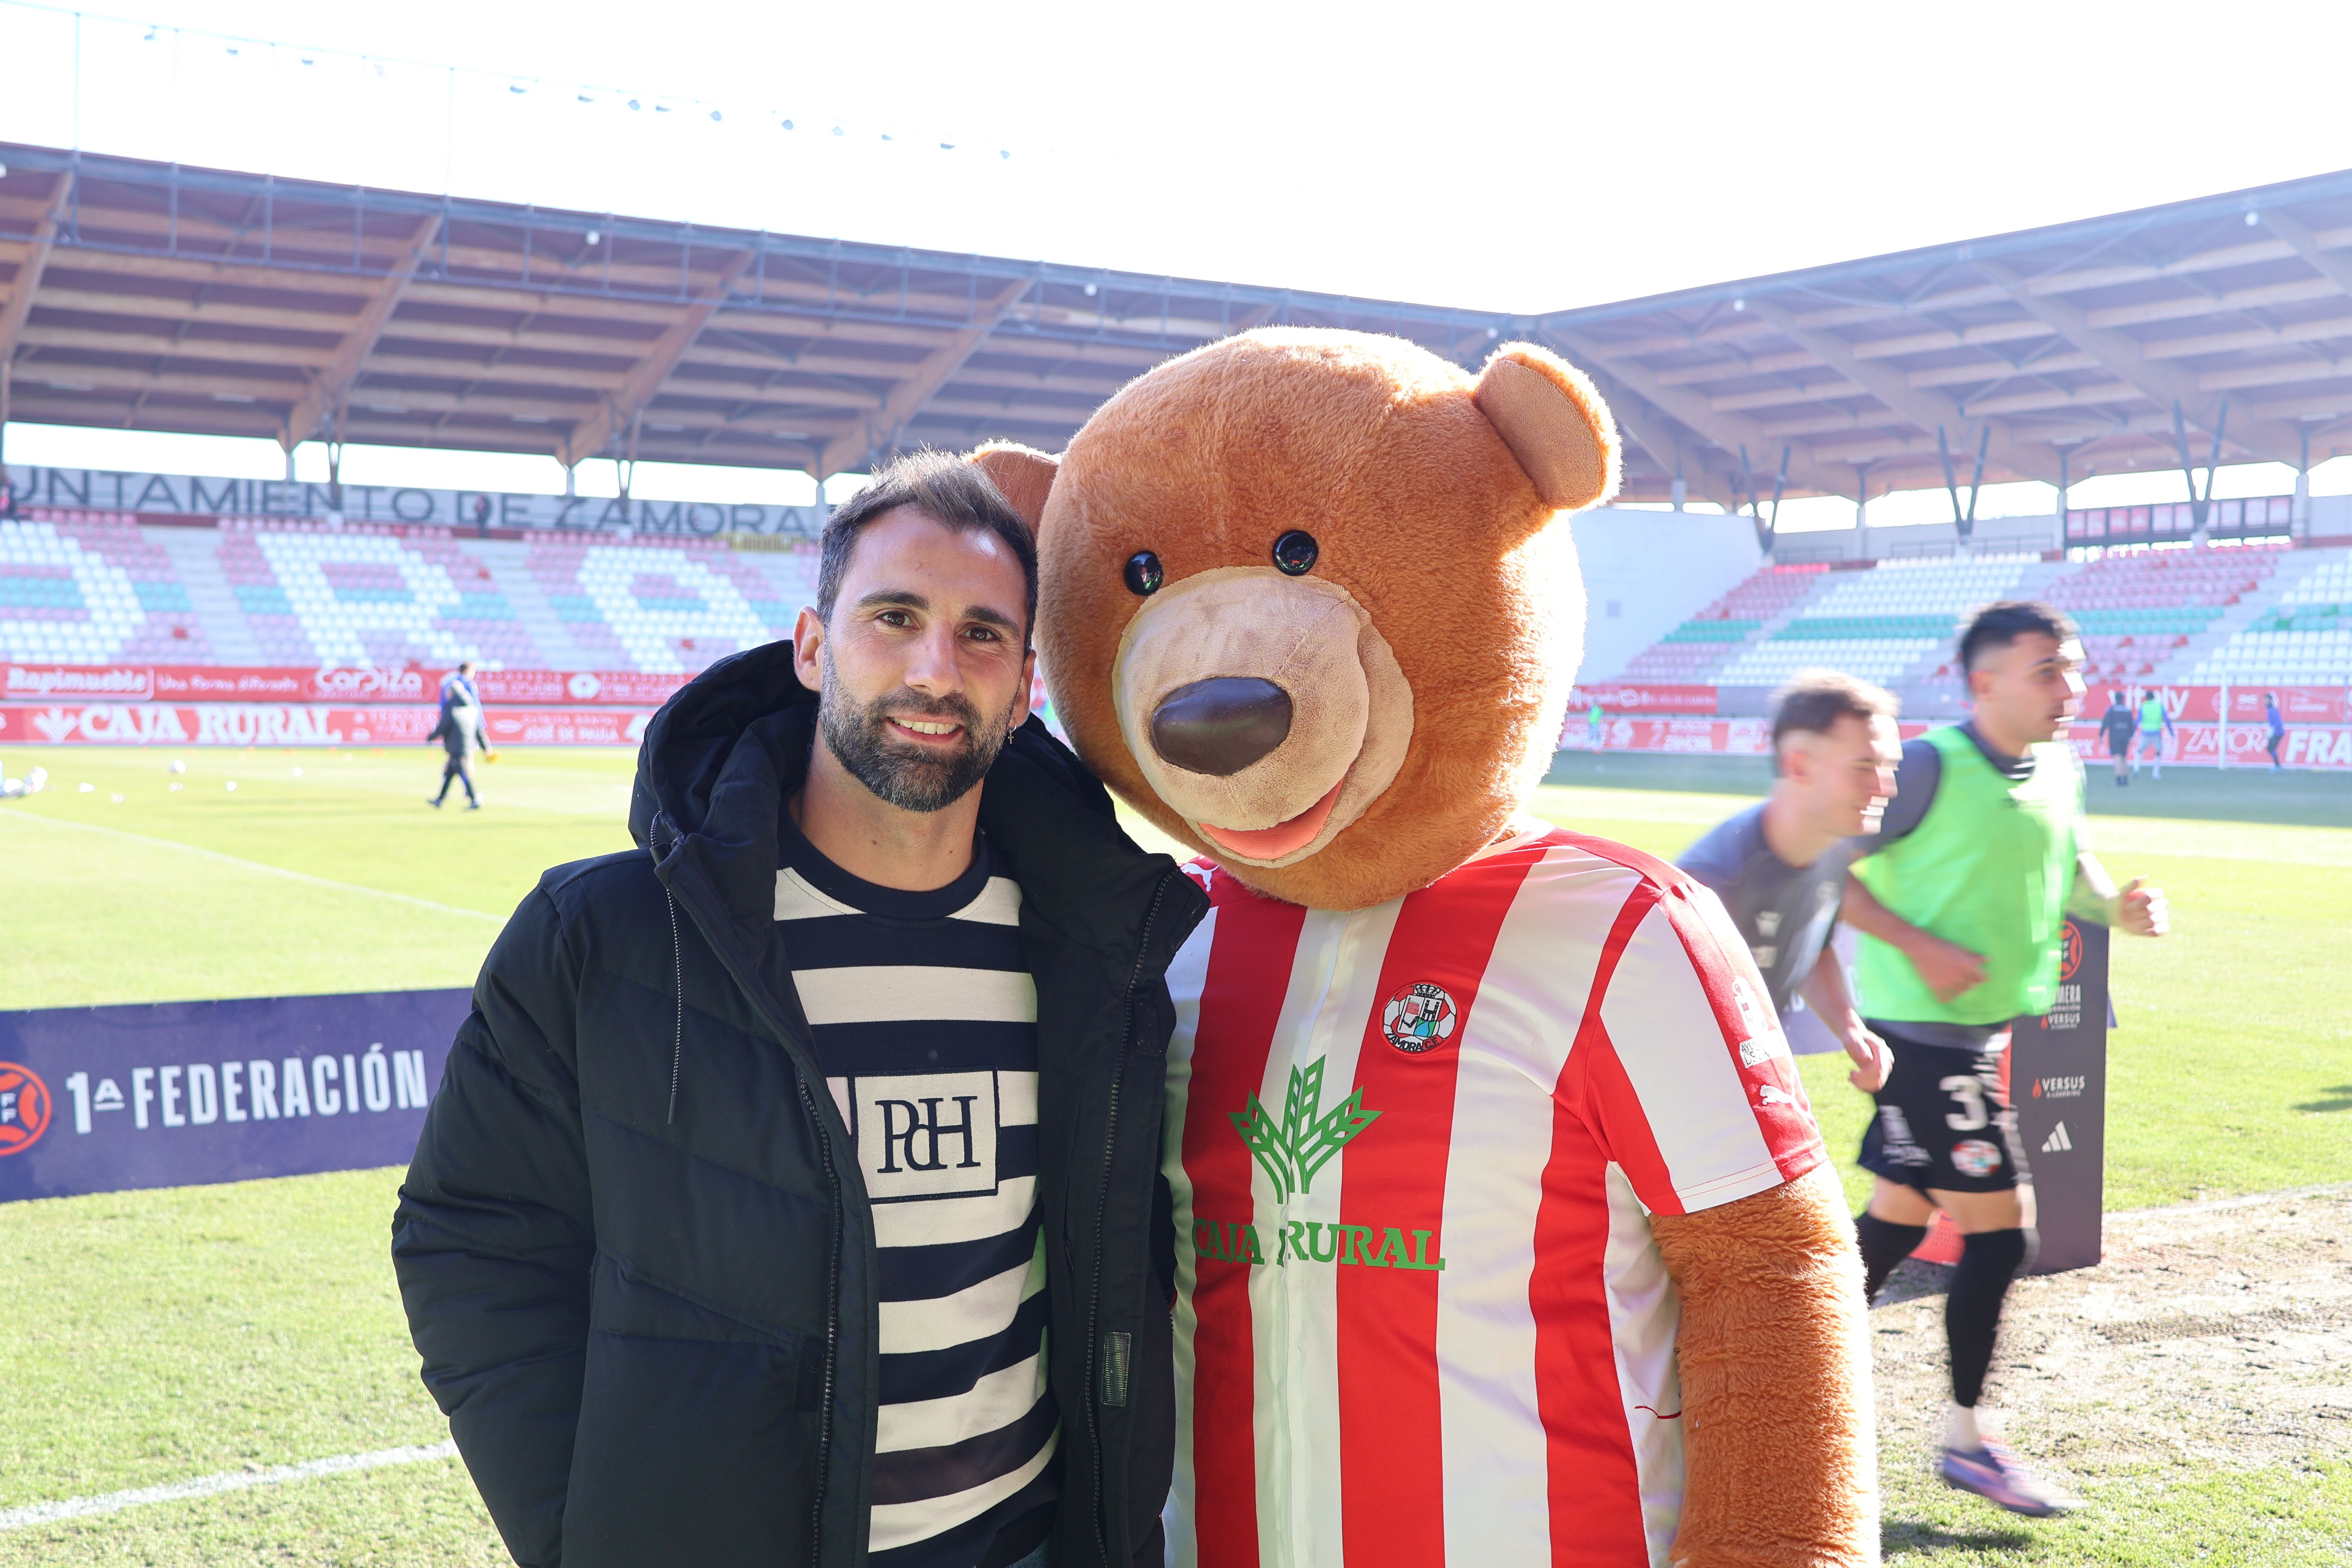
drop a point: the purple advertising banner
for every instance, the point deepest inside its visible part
(170, 1094)
(2058, 1092)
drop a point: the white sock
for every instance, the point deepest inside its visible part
(1960, 1429)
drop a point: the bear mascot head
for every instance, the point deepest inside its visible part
(1310, 602)
(1301, 604)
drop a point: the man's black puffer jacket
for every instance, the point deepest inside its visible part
(635, 1252)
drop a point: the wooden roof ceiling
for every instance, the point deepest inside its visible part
(146, 296)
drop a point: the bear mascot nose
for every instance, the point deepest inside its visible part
(1221, 725)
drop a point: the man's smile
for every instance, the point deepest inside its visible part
(925, 732)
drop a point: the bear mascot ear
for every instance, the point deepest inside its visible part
(1023, 474)
(1554, 423)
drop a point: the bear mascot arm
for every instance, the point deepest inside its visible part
(1772, 1344)
(1775, 1358)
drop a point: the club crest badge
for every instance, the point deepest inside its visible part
(1420, 1017)
(1975, 1157)
(2070, 951)
(24, 1108)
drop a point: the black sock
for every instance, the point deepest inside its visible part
(1988, 1261)
(1884, 1244)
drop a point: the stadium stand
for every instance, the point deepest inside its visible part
(662, 606)
(2138, 611)
(90, 589)
(2303, 636)
(1695, 650)
(99, 588)
(1883, 623)
(94, 588)
(365, 599)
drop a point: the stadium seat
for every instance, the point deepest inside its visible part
(1881, 623)
(79, 587)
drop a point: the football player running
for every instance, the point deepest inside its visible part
(1961, 902)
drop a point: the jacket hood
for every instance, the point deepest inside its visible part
(687, 744)
(723, 751)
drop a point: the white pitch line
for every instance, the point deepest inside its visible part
(254, 866)
(212, 1486)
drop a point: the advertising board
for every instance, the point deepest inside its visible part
(301, 724)
(170, 1094)
(278, 683)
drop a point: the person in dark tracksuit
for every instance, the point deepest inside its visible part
(792, 1194)
(2116, 727)
(461, 733)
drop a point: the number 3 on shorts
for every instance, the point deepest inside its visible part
(1965, 1088)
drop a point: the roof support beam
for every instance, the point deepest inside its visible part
(2336, 269)
(331, 386)
(2164, 381)
(880, 429)
(28, 282)
(1682, 460)
(593, 433)
(1927, 409)
(1728, 432)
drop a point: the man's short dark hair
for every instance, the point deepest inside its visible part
(1996, 627)
(945, 488)
(1816, 700)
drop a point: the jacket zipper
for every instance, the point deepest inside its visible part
(825, 1150)
(832, 1338)
(1102, 1215)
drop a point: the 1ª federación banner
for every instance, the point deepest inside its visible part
(172, 1094)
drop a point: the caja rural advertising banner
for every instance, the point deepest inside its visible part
(1640, 696)
(243, 683)
(301, 724)
(2194, 745)
(2191, 744)
(2202, 704)
(172, 1094)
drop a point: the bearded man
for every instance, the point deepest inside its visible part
(789, 1195)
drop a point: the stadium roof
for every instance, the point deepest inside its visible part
(154, 297)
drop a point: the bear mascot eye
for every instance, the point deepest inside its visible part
(1144, 576)
(1295, 553)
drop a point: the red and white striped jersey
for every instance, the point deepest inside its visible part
(1413, 1151)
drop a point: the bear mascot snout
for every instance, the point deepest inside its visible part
(1503, 1230)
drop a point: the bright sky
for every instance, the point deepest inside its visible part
(1521, 158)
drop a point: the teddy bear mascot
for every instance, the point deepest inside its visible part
(1503, 1234)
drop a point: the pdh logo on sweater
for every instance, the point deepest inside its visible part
(1419, 1018)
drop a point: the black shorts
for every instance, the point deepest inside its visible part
(1943, 1122)
(2119, 745)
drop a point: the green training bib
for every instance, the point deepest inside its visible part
(1989, 867)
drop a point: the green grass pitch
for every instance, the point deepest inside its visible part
(155, 1337)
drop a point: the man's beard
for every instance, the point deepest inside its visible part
(911, 779)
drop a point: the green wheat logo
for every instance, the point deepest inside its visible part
(1307, 1138)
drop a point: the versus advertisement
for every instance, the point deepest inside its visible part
(2055, 1074)
(172, 1094)
(2058, 1092)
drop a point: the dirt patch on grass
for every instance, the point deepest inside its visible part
(2214, 1335)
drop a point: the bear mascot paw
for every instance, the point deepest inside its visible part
(1504, 1232)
